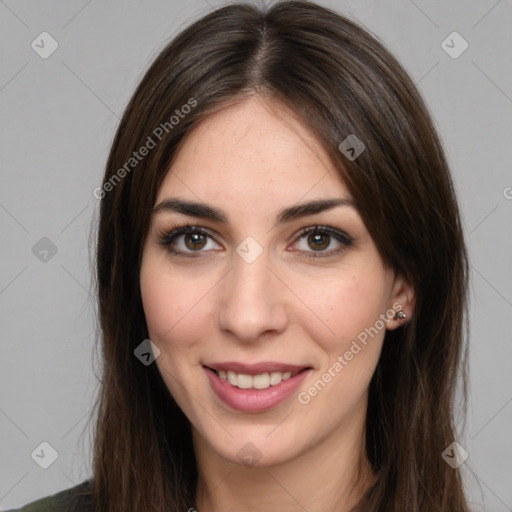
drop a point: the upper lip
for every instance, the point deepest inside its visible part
(256, 368)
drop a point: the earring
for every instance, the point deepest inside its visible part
(400, 315)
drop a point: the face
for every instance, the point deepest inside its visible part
(291, 308)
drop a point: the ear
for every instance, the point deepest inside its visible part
(402, 298)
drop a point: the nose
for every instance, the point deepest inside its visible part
(252, 300)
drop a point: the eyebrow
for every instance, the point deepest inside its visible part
(205, 211)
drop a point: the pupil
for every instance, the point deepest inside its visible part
(317, 240)
(197, 239)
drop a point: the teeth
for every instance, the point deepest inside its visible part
(244, 381)
(233, 378)
(276, 378)
(260, 381)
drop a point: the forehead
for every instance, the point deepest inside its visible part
(252, 152)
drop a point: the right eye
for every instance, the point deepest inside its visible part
(187, 240)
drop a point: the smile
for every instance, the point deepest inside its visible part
(260, 381)
(252, 390)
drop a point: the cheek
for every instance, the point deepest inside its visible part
(345, 306)
(348, 331)
(174, 309)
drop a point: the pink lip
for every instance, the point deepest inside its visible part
(256, 368)
(255, 400)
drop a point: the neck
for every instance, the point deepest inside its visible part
(330, 476)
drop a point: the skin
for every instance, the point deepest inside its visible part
(252, 159)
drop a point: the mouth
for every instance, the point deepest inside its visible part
(258, 381)
(256, 387)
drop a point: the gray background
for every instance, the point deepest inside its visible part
(58, 117)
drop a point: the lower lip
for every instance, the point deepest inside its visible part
(255, 400)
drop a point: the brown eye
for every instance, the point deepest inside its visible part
(318, 241)
(187, 241)
(195, 241)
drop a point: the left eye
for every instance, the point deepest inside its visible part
(317, 239)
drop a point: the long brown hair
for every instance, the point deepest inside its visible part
(341, 81)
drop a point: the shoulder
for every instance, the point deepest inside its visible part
(74, 499)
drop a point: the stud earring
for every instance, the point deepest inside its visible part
(400, 315)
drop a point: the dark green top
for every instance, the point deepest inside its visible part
(74, 499)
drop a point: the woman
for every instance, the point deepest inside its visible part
(282, 278)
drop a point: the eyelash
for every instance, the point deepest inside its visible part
(166, 236)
